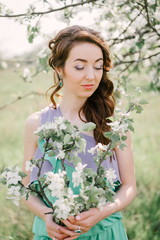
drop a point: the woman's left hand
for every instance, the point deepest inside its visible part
(83, 221)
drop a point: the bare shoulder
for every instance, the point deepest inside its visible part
(33, 121)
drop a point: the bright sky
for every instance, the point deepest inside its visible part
(13, 38)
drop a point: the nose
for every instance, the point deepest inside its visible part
(90, 73)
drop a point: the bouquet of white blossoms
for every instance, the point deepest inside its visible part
(77, 189)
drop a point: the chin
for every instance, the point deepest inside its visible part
(86, 95)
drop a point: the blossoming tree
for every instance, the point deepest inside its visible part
(131, 28)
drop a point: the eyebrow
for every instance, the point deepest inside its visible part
(83, 60)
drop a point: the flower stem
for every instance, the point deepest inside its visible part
(42, 192)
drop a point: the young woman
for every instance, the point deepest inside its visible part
(80, 59)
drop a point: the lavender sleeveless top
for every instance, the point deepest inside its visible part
(47, 115)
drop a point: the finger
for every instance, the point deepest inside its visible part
(69, 233)
(59, 235)
(82, 216)
(70, 225)
(72, 219)
(74, 227)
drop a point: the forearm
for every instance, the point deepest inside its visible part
(122, 199)
(36, 206)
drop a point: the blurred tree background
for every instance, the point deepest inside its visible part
(132, 30)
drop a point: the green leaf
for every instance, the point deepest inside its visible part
(51, 153)
(142, 101)
(76, 160)
(67, 138)
(35, 29)
(27, 196)
(33, 193)
(30, 38)
(140, 43)
(42, 179)
(124, 138)
(87, 127)
(81, 144)
(130, 127)
(122, 145)
(109, 197)
(3, 181)
(23, 174)
(108, 134)
(115, 138)
(113, 145)
(138, 109)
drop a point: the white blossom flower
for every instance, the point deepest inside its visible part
(156, 14)
(63, 208)
(98, 148)
(77, 175)
(59, 145)
(57, 183)
(42, 53)
(117, 127)
(110, 175)
(92, 150)
(29, 166)
(70, 194)
(101, 203)
(59, 120)
(114, 125)
(4, 65)
(76, 178)
(14, 190)
(17, 65)
(61, 154)
(27, 75)
(80, 167)
(15, 200)
(82, 194)
(12, 175)
(62, 126)
(13, 178)
(50, 125)
(66, 205)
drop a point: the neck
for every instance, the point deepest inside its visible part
(70, 109)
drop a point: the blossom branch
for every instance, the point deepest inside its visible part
(136, 61)
(148, 18)
(19, 98)
(49, 11)
(39, 173)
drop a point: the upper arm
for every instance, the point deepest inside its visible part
(126, 163)
(30, 141)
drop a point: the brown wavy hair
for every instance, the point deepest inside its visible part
(100, 105)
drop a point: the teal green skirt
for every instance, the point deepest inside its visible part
(110, 228)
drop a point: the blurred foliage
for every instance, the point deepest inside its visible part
(131, 28)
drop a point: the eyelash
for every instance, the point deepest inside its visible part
(97, 68)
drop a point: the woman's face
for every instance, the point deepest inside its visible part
(83, 70)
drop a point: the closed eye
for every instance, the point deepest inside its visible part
(79, 67)
(99, 68)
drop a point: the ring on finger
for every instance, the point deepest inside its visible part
(78, 230)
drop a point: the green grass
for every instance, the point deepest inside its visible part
(141, 218)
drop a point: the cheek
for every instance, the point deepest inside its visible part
(99, 76)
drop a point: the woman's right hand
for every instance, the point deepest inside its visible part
(53, 228)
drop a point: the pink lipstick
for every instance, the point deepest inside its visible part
(88, 86)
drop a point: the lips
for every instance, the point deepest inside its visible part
(88, 86)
